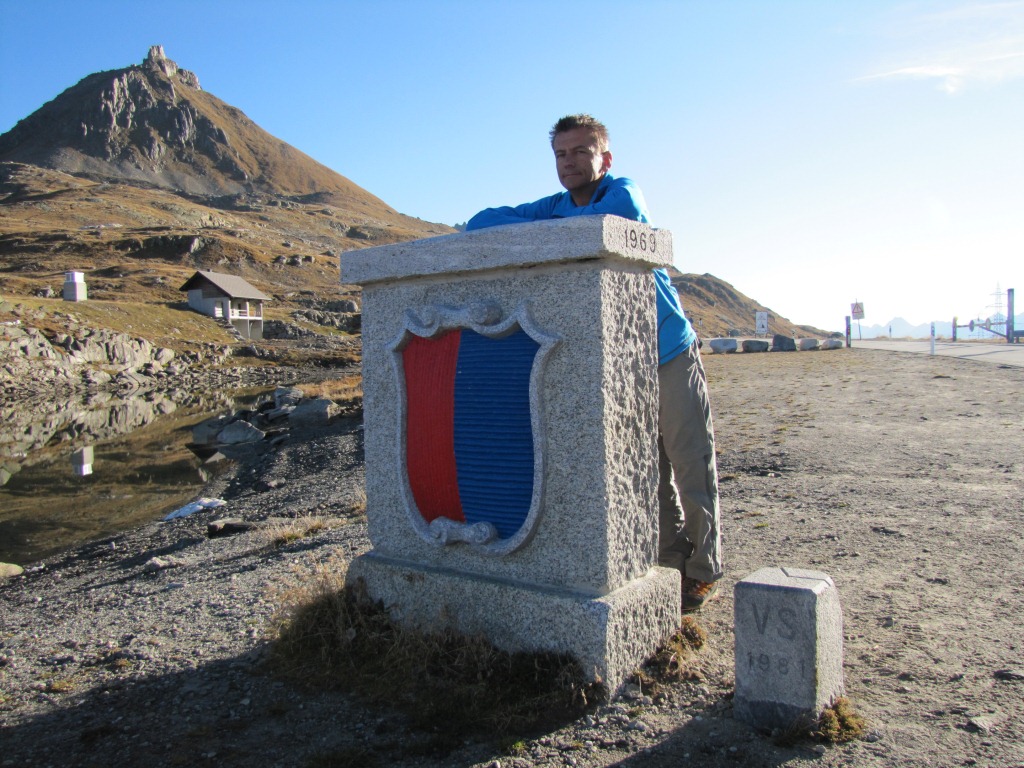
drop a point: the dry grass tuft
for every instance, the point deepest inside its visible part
(513, 747)
(840, 723)
(59, 686)
(692, 633)
(283, 531)
(347, 390)
(331, 635)
(673, 661)
(357, 503)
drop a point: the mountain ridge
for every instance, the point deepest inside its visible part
(152, 123)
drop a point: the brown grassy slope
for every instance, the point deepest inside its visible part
(143, 244)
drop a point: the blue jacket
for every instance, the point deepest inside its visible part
(619, 197)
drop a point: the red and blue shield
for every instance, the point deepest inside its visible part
(471, 423)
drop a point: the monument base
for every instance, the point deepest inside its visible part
(610, 636)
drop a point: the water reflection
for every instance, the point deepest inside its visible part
(93, 466)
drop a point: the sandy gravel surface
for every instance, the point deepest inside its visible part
(898, 474)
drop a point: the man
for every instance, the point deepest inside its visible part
(688, 535)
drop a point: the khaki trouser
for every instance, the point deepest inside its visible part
(688, 523)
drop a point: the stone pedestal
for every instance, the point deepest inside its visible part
(510, 406)
(789, 647)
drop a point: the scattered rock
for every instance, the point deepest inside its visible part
(349, 306)
(240, 432)
(161, 564)
(9, 570)
(1009, 674)
(782, 343)
(195, 506)
(285, 396)
(228, 527)
(316, 412)
(721, 346)
(983, 723)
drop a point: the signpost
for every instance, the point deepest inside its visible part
(857, 313)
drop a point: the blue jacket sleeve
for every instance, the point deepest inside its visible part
(495, 217)
(615, 196)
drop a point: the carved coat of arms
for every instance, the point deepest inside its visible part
(471, 424)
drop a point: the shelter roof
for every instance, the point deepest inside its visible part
(230, 285)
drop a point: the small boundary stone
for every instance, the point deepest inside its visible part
(789, 647)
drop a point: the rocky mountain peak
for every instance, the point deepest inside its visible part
(152, 124)
(157, 61)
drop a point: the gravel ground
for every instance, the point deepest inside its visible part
(899, 475)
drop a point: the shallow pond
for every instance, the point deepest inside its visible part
(77, 471)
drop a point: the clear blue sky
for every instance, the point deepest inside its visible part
(810, 152)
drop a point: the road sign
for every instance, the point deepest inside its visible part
(857, 310)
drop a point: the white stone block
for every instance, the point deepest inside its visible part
(721, 346)
(808, 345)
(789, 647)
(75, 290)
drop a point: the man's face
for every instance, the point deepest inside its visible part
(580, 162)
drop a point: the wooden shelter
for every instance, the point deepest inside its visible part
(228, 298)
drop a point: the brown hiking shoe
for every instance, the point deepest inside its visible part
(697, 593)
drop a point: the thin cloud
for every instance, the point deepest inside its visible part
(959, 47)
(950, 78)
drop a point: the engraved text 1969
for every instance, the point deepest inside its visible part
(644, 241)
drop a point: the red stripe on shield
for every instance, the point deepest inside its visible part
(430, 443)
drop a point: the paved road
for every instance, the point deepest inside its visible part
(986, 352)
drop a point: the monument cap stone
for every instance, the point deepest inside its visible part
(556, 241)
